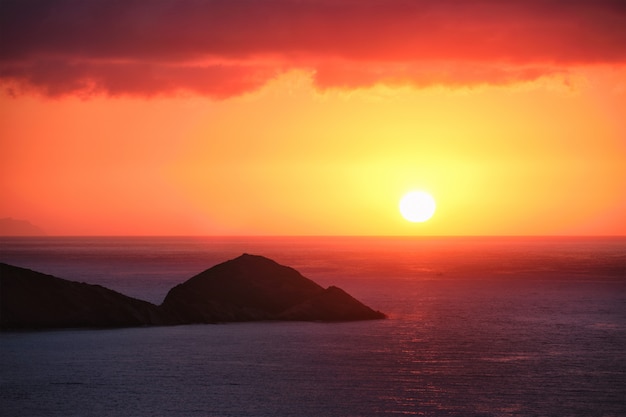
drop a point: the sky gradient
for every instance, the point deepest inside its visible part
(313, 117)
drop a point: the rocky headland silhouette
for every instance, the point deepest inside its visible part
(247, 288)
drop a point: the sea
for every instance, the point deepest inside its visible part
(477, 326)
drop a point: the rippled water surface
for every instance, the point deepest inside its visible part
(477, 327)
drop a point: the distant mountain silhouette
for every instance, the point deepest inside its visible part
(248, 288)
(15, 227)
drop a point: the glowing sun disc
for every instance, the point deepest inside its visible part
(417, 206)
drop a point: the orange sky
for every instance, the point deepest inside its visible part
(313, 117)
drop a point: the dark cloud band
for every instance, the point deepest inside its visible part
(159, 46)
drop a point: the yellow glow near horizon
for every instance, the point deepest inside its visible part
(293, 160)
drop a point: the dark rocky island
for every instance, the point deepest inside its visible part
(248, 288)
(251, 288)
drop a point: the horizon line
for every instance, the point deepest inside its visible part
(310, 236)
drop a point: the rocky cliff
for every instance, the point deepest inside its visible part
(30, 299)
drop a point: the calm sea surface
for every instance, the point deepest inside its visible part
(477, 327)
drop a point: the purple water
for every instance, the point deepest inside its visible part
(478, 327)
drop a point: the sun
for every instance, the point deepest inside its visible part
(417, 206)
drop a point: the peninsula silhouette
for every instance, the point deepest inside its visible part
(247, 288)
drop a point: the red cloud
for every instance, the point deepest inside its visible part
(151, 47)
(59, 77)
